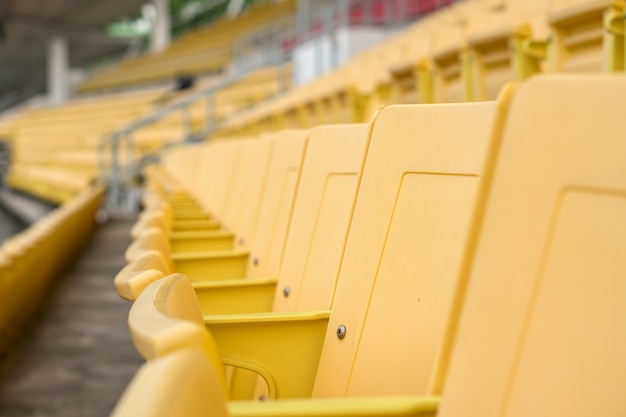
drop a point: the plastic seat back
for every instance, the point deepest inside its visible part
(217, 169)
(321, 217)
(541, 327)
(250, 183)
(275, 212)
(411, 225)
(182, 383)
(182, 162)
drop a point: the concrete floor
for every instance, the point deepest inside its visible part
(79, 358)
(9, 226)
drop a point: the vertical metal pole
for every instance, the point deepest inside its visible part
(114, 196)
(101, 164)
(330, 34)
(186, 116)
(131, 169)
(306, 20)
(210, 114)
(344, 25)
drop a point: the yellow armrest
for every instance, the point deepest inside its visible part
(236, 296)
(201, 241)
(190, 214)
(210, 266)
(147, 220)
(182, 225)
(337, 407)
(284, 348)
(140, 273)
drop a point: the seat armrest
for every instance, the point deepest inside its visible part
(212, 265)
(284, 348)
(140, 273)
(201, 241)
(236, 296)
(338, 407)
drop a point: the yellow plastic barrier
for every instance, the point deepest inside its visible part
(31, 261)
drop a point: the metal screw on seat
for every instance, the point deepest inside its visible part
(286, 291)
(240, 242)
(341, 332)
(255, 261)
(262, 398)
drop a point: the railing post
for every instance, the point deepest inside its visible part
(131, 164)
(187, 123)
(210, 113)
(114, 187)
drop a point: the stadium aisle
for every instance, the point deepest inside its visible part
(8, 225)
(79, 358)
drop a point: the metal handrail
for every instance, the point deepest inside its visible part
(123, 137)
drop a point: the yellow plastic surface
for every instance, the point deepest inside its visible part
(411, 82)
(236, 296)
(284, 348)
(246, 210)
(200, 241)
(166, 318)
(141, 272)
(31, 261)
(497, 45)
(542, 320)
(332, 407)
(215, 174)
(448, 63)
(410, 228)
(185, 225)
(580, 42)
(247, 190)
(152, 238)
(190, 214)
(274, 215)
(183, 383)
(214, 265)
(321, 217)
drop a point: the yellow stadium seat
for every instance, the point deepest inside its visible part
(318, 228)
(540, 323)
(216, 168)
(248, 188)
(448, 60)
(138, 274)
(164, 218)
(581, 39)
(551, 241)
(411, 78)
(385, 213)
(176, 323)
(503, 46)
(166, 317)
(269, 225)
(180, 384)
